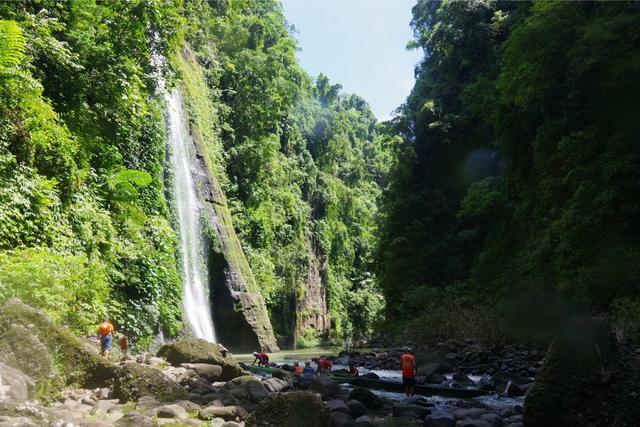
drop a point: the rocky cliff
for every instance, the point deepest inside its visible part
(239, 311)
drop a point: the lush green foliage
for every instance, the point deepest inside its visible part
(518, 175)
(303, 164)
(83, 227)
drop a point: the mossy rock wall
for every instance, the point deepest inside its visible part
(239, 310)
(32, 342)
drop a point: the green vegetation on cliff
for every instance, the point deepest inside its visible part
(83, 224)
(516, 185)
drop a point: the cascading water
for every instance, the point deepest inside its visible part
(196, 298)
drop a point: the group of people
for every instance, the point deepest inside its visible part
(106, 334)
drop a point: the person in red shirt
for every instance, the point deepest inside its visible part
(353, 371)
(324, 366)
(408, 366)
(261, 358)
(123, 345)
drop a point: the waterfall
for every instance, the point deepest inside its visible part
(194, 281)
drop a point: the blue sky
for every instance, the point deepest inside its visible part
(360, 44)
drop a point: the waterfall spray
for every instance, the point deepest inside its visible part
(194, 281)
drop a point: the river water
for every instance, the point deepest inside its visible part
(441, 404)
(196, 303)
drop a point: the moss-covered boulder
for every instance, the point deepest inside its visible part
(583, 368)
(298, 408)
(31, 342)
(133, 381)
(196, 350)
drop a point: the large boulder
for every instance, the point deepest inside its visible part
(582, 369)
(205, 370)
(31, 342)
(247, 387)
(410, 411)
(440, 420)
(196, 350)
(325, 386)
(298, 408)
(367, 397)
(133, 381)
(14, 384)
(340, 419)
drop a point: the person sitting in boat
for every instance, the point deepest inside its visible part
(297, 369)
(307, 368)
(353, 371)
(262, 359)
(324, 366)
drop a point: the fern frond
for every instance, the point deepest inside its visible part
(12, 43)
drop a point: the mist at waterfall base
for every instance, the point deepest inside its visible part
(196, 303)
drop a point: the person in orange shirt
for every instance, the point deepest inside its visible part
(408, 366)
(105, 334)
(297, 369)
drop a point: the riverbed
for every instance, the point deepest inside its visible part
(492, 401)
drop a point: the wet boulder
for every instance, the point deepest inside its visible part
(440, 420)
(133, 381)
(338, 405)
(299, 408)
(367, 397)
(196, 350)
(205, 370)
(340, 419)
(357, 408)
(410, 411)
(325, 386)
(247, 388)
(15, 384)
(29, 340)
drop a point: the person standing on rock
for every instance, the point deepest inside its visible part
(105, 333)
(408, 366)
(123, 345)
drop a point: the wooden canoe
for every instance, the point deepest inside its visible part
(424, 389)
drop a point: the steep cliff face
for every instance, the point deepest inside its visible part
(239, 311)
(312, 313)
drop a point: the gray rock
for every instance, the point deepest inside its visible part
(246, 387)
(338, 405)
(155, 361)
(205, 370)
(367, 397)
(135, 419)
(102, 406)
(170, 411)
(469, 413)
(364, 421)
(340, 419)
(275, 385)
(227, 413)
(440, 420)
(325, 386)
(513, 390)
(15, 384)
(410, 411)
(473, 423)
(494, 420)
(296, 409)
(357, 408)
(17, 422)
